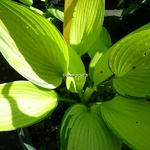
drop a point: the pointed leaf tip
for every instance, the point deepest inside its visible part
(86, 24)
(76, 75)
(32, 45)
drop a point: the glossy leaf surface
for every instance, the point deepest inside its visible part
(130, 62)
(23, 104)
(32, 45)
(86, 24)
(83, 129)
(129, 119)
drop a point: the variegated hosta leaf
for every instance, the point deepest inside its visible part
(130, 62)
(32, 45)
(129, 119)
(23, 104)
(76, 75)
(84, 129)
(86, 24)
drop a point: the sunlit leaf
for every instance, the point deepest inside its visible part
(56, 13)
(27, 2)
(130, 62)
(100, 71)
(36, 10)
(76, 75)
(68, 13)
(86, 24)
(22, 104)
(99, 62)
(32, 45)
(93, 63)
(101, 44)
(129, 119)
(84, 129)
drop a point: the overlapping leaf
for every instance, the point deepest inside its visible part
(99, 63)
(32, 45)
(101, 44)
(129, 119)
(84, 129)
(86, 24)
(130, 62)
(100, 71)
(22, 104)
(56, 13)
(76, 75)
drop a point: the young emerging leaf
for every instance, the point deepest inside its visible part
(130, 62)
(84, 129)
(129, 119)
(86, 24)
(32, 45)
(23, 104)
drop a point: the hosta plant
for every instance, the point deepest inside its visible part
(36, 49)
(135, 5)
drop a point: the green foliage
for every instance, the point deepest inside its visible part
(29, 147)
(40, 42)
(54, 14)
(36, 49)
(135, 5)
(132, 73)
(51, 10)
(131, 117)
(24, 103)
(84, 20)
(27, 2)
(83, 128)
